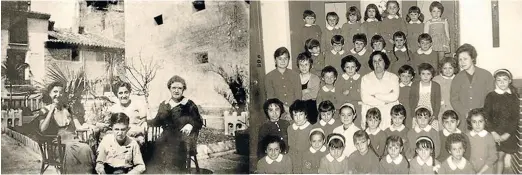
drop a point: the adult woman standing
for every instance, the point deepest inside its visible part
(379, 89)
(57, 119)
(471, 85)
(180, 119)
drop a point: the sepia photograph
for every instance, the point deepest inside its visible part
(385, 87)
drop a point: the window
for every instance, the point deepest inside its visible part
(75, 54)
(100, 56)
(198, 5)
(159, 19)
(101, 4)
(18, 31)
(15, 59)
(201, 57)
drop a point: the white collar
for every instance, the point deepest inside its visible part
(427, 52)
(447, 133)
(328, 90)
(360, 53)
(356, 76)
(428, 162)
(331, 28)
(383, 51)
(402, 85)
(448, 78)
(402, 50)
(308, 25)
(322, 149)
(349, 22)
(397, 129)
(295, 127)
(427, 128)
(500, 91)
(331, 158)
(374, 132)
(270, 161)
(371, 19)
(393, 16)
(323, 123)
(461, 165)
(174, 104)
(418, 22)
(335, 53)
(482, 133)
(396, 161)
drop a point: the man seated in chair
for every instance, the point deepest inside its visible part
(117, 152)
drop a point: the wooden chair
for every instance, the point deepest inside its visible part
(192, 156)
(53, 153)
(87, 136)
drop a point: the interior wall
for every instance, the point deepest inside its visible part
(276, 31)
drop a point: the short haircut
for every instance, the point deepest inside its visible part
(350, 59)
(326, 106)
(353, 11)
(276, 102)
(305, 57)
(422, 111)
(360, 37)
(453, 63)
(328, 69)
(281, 51)
(312, 43)
(336, 143)
(394, 139)
(373, 113)
(377, 38)
(360, 134)
(428, 67)
(468, 48)
(456, 138)
(308, 13)
(120, 84)
(438, 5)
(274, 139)
(424, 36)
(407, 69)
(119, 118)
(398, 109)
(450, 114)
(176, 78)
(384, 58)
(337, 39)
(476, 112)
(298, 106)
(334, 15)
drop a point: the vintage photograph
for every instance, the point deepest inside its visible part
(385, 87)
(117, 87)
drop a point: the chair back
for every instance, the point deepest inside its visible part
(52, 151)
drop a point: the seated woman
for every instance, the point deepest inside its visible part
(57, 119)
(117, 153)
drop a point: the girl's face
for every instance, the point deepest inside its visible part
(465, 61)
(423, 120)
(299, 118)
(414, 16)
(329, 78)
(309, 20)
(176, 90)
(477, 123)
(273, 150)
(317, 141)
(332, 20)
(315, 50)
(397, 119)
(56, 94)
(448, 70)
(394, 149)
(337, 47)
(304, 66)
(372, 12)
(274, 112)
(424, 153)
(392, 8)
(120, 131)
(426, 76)
(378, 64)
(358, 45)
(503, 82)
(399, 42)
(373, 123)
(406, 78)
(362, 144)
(425, 44)
(336, 152)
(457, 150)
(346, 116)
(327, 116)
(450, 124)
(378, 46)
(282, 61)
(350, 68)
(436, 13)
(352, 18)
(123, 95)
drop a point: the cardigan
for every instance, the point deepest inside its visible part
(434, 97)
(313, 87)
(298, 143)
(282, 167)
(466, 95)
(445, 104)
(404, 99)
(285, 87)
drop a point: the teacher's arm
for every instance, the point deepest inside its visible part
(196, 120)
(455, 100)
(367, 90)
(393, 94)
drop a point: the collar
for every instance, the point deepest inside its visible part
(360, 53)
(397, 129)
(174, 104)
(349, 22)
(500, 91)
(322, 149)
(331, 28)
(428, 162)
(427, 128)
(328, 90)
(315, 54)
(402, 85)
(397, 49)
(323, 123)
(482, 133)
(374, 132)
(335, 53)
(383, 51)
(371, 19)
(427, 52)
(356, 76)
(331, 158)
(447, 133)
(418, 22)
(396, 161)
(270, 161)
(308, 25)
(461, 165)
(295, 127)
(393, 16)
(448, 78)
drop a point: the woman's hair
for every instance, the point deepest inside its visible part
(360, 37)
(274, 139)
(328, 69)
(326, 106)
(384, 58)
(468, 48)
(455, 138)
(400, 34)
(317, 131)
(476, 112)
(337, 39)
(178, 79)
(438, 5)
(118, 85)
(453, 63)
(350, 59)
(422, 111)
(507, 73)
(119, 118)
(48, 99)
(281, 51)
(425, 142)
(424, 36)
(311, 43)
(407, 69)
(450, 114)
(305, 57)
(298, 106)
(353, 11)
(398, 109)
(415, 9)
(377, 38)
(276, 102)
(385, 13)
(336, 141)
(308, 13)
(377, 13)
(334, 15)
(428, 67)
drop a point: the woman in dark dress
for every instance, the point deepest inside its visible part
(180, 120)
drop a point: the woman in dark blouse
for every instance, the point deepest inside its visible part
(180, 120)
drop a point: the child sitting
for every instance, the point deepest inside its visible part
(274, 162)
(362, 161)
(312, 158)
(298, 134)
(327, 122)
(424, 161)
(394, 162)
(335, 161)
(456, 163)
(450, 121)
(377, 136)
(484, 149)
(398, 114)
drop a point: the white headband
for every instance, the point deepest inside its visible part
(505, 71)
(350, 105)
(425, 138)
(336, 137)
(316, 129)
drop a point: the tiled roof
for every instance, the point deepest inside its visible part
(85, 39)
